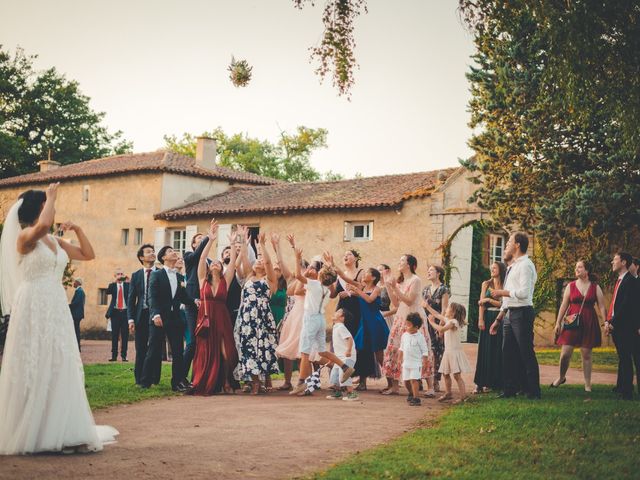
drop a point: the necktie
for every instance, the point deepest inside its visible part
(613, 301)
(120, 297)
(146, 290)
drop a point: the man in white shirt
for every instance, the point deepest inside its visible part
(517, 298)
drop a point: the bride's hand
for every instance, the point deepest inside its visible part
(52, 191)
(66, 226)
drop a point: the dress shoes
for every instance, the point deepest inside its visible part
(181, 387)
(113, 359)
(124, 359)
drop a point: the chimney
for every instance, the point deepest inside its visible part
(48, 164)
(206, 150)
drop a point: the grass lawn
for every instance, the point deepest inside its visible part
(561, 436)
(604, 359)
(113, 383)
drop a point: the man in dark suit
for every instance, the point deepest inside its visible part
(622, 322)
(634, 270)
(138, 310)
(77, 307)
(167, 290)
(117, 312)
(191, 259)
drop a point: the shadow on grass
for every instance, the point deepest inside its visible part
(567, 434)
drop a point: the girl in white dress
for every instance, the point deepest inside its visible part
(454, 360)
(43, 403)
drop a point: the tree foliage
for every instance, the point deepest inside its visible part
(288, 159)
(555, 99)
(335, 52)
(42, 111)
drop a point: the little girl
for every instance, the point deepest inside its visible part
(454, 361)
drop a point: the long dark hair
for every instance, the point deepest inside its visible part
(440, 271)
(413, 264)
(502, 268)
(31, 207)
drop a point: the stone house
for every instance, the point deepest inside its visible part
(114, 200)
(164, 198)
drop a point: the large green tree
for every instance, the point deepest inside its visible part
(287, 159)
(42, 111)
(555, 95)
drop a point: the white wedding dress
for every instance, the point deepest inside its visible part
(43, 403)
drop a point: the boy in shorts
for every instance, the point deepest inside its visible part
(344, 349)
(414, 354)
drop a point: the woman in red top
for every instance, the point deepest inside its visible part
(581, 296)
(216, 355)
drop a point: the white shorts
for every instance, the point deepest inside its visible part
(413, 373)
(313, 337)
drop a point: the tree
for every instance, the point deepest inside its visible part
(288, 159)
(558, 151)
(42, 111)
(335, 53)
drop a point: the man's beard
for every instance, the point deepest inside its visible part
(226, 261)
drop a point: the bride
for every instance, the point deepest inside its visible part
(43, 404)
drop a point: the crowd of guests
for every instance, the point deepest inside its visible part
(232, 323)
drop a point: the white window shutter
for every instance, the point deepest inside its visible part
(160, 238)
(191, 230)
(224, 230)
(346, 236)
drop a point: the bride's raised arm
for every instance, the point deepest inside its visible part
(82, 251)
(30, 235)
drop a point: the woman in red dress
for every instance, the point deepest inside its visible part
(216, 355)
(587, 336)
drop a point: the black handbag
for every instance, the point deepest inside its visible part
(573, 322)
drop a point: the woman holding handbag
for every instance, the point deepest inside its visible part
(215, 354)
(577, 324)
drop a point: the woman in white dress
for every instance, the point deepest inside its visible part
(43, 403)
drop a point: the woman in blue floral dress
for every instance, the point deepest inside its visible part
(255, 328)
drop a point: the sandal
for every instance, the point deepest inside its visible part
(287, 387)
(429, 394)
(361, 387)
(246, 388)
(445, 397)
(384, 391)
(390, 392)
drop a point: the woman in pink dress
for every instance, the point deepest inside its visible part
(405, 295)
(215, 355)
(289, 347)
(581, 296)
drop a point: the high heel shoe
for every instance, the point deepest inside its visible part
(553, 384)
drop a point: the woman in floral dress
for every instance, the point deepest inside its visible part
(255, 329)
(405, 295)
(437, 297)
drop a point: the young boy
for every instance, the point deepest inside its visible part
(414, 354)
(313, 334)
(345, 351)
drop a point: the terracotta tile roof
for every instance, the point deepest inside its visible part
(372, 192)
(159, 161)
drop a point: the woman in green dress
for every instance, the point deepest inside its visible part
(489, 363)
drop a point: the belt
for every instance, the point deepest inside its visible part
(520, 308)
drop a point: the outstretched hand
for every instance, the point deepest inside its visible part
(298, 253)
(66, 226)
(328, 259)
(275, 240)
(52, 190)
(213, 230)
(292, 240)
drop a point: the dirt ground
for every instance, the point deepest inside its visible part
(239, 436)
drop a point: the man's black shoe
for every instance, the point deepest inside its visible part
(181, 387)
(113, 359)
(124, 359)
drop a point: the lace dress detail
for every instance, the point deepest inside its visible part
(43, 404)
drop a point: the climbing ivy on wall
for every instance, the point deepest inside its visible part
(479, 273)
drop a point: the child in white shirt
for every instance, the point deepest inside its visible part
(343, 347)
(414, 354)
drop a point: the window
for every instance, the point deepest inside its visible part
(358, 231)
(85, 193)
(138, 238)
(102, 296)
(179, 240)
(124, 237)
(496, 248)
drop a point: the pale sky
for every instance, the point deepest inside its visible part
(160, 67)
